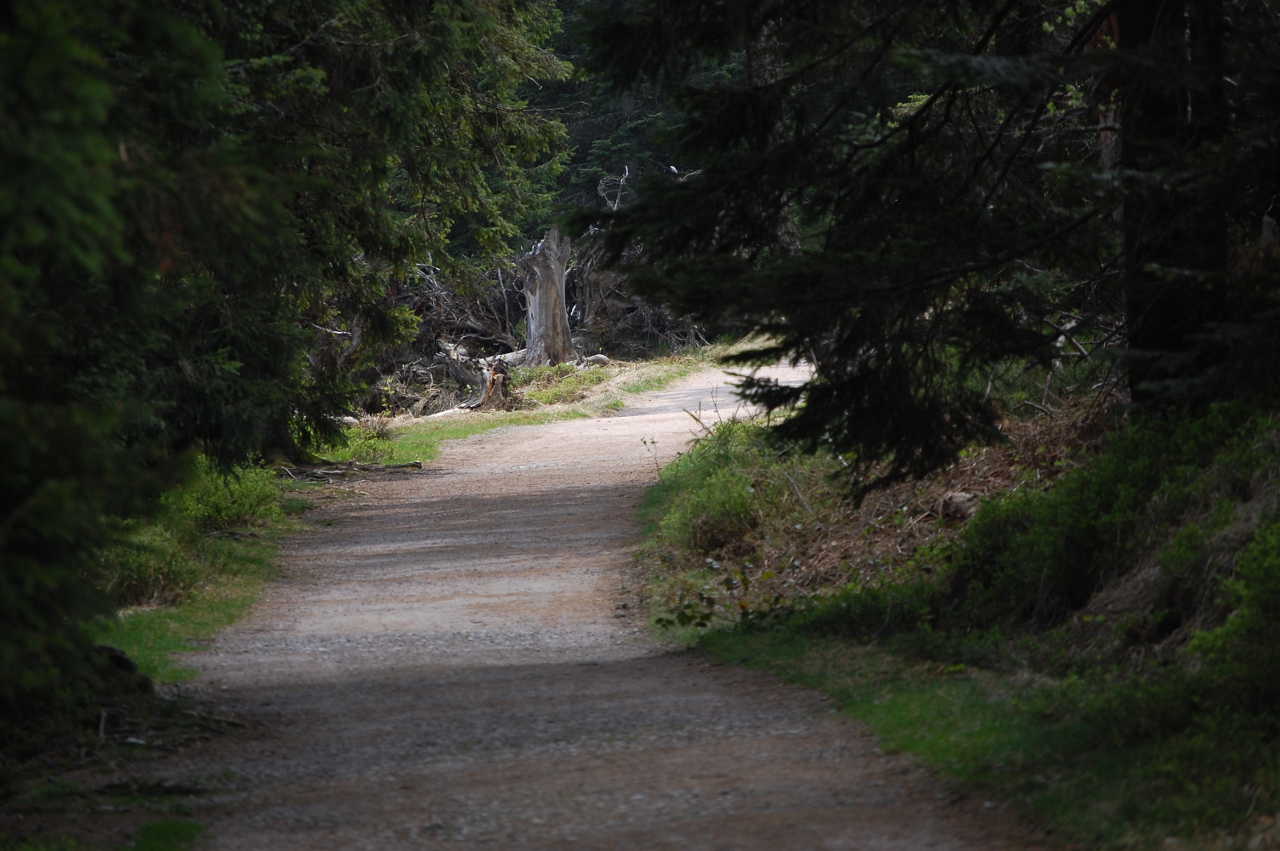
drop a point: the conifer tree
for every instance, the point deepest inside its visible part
(908, 195)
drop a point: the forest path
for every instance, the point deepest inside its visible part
(446, 661)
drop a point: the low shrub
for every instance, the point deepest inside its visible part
(213, 501)
(731, 482)
(714, 515)
(152, 564)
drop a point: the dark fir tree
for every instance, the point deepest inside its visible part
(611, 132)
(909, 195)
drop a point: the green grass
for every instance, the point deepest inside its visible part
(559, 385)
(195, 566)
(565, 383)
(664, 372)
(165, 557)
(153, 636)
(422, 440)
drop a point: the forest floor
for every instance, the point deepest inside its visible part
(456, 655)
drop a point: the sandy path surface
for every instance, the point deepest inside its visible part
(446, 662)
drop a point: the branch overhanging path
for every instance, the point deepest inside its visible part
(448, 661)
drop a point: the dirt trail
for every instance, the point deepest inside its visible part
(445, 662)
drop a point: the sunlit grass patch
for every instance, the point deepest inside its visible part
(421, 440)
(562, 384)
(660, 373)
(234, 571)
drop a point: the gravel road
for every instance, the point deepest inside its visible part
(448, 661)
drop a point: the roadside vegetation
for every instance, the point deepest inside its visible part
(195, 567)
(599, 389)
(1079, 620)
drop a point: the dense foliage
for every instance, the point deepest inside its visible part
(909, 195)
(206, 212)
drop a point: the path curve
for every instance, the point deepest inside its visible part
(446, 661)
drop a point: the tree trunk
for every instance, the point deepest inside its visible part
(548, 318)
(1175, 235)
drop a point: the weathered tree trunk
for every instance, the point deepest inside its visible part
(548, 317)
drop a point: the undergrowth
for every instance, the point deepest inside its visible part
(1097, 643)
(194, 566)
(174, 579)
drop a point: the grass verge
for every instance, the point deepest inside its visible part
(154, 636)
(177, 577)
